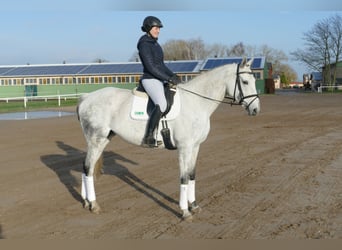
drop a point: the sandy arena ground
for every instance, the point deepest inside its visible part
(276, 175)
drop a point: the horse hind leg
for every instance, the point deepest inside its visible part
(94, 152)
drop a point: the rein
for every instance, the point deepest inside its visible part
(233, 99)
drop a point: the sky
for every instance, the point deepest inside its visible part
(80, 31)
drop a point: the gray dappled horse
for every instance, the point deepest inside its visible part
(106, 112)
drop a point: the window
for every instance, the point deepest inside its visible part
(257, 75)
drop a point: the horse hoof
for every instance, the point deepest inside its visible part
(94, 207)
(86, 204)
(187, 216)
(195, 209)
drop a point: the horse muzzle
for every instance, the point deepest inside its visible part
(252, 105)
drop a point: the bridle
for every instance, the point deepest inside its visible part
(233, 99)
(241, 95)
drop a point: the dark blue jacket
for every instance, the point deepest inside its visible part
(152, 57)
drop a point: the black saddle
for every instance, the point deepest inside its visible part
(169, 95)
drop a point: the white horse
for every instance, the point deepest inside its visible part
(106, 112)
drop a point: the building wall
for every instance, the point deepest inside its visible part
(338, 66)
(19, 91)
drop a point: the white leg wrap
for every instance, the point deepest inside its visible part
(191, 191)
(183, 196)
(90, 189)
(83, 187)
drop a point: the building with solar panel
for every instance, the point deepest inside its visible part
(28, 80)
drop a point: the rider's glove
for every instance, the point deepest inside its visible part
(175, 79)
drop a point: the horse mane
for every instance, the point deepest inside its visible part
(213, 74)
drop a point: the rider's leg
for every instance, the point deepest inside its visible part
(155, 89)
(153, 122)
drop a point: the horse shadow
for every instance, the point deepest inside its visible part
(72, 161)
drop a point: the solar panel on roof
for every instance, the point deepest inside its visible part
(45, 70)
(182, 67)
(123, 68)
(216, 62)
(4, 70)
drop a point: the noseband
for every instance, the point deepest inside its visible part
(241, 95)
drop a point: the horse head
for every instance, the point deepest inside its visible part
(244, 91)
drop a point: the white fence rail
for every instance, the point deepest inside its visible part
(320, 88)
(57, 97)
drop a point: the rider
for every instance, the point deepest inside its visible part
(155, 74)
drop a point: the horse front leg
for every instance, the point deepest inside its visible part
(187, 199)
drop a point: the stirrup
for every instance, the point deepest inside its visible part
(150, 143)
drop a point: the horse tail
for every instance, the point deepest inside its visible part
(78, 115)
(80, 100)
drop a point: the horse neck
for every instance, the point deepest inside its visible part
(212, 85)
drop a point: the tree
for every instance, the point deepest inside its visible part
(278, 59)
(322, 47)
(100, 60)
(217, 50)
(336, 37)
(193, 49)
(237, 50)
(287, 74)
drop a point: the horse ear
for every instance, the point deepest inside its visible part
(249, 63)
(244, 61)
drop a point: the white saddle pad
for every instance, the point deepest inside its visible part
(139, 107)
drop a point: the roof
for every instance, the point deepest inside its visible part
(189, 66)
(210, 63)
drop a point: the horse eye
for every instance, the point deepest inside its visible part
(245, 82)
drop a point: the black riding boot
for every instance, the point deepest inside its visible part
(149, 140)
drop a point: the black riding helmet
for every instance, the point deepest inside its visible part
(149, 22)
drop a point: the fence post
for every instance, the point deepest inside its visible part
(59, 99)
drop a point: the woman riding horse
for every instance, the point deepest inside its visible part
(155, 74)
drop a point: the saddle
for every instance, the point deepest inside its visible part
(142, 107)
